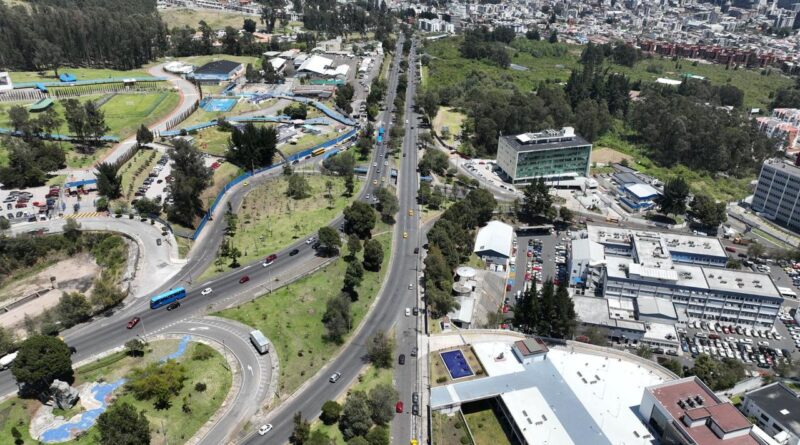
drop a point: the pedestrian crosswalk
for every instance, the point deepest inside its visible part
(85, 215)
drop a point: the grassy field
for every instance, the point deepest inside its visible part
(449, 430)
(79, 73)
(269, 220)
(212, 141)
(305, 142)
(222, 176)
(291, 317)
(755, 85)
(180, 17)
(180, 426)
(450, 118)
(369, 378)
(202, 60)
(448, 68)
(484, 424)
(126, 112)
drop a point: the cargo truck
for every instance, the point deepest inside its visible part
(259, 341)
(7, 360)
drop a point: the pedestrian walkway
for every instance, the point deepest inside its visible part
(85, 215)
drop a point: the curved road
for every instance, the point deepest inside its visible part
(108, 332)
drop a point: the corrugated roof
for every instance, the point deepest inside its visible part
(496, 237)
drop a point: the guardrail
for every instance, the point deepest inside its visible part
(246, 175)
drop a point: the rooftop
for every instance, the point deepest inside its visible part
(784, 165)
(218, 67)
(530, 346)
(691, 398)
(545, 140)
(779, 402)
(642, 191)
(496, 236)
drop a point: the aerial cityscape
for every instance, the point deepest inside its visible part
(318, 222)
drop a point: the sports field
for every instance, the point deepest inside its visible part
(126, 112)
(79, 73)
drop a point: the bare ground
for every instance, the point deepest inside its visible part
(74, 274)
(604, 155)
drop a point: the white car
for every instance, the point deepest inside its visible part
(264, 429)
(206, 291)
(310, 240)
(408, 312)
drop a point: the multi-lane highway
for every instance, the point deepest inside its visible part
(107, 333)
(396, 295)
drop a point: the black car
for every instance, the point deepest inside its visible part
(294, 252)
(415, 311)
(316, 245)
(416, 250)
(174, 305)
(415, 409)
(402, 359)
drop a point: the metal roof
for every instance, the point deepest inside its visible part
(780, 403)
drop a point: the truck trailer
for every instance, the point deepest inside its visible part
(259, 341)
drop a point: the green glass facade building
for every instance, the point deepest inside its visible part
(550, 154)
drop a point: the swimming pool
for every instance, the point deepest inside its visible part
(456, 364)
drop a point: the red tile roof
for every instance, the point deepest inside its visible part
(723, 414)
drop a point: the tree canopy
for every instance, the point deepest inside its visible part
(41, 360)
(120, 424)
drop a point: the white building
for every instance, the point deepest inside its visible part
(436, 25)
(494, 243)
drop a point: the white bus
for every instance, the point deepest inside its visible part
(787, 292)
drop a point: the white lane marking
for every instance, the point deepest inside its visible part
(250, 368)
(199, 328)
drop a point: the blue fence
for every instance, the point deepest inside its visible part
(89, 82)
(297, 156)
(54, 136)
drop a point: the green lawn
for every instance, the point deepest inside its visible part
(223, 175)
(449, 430)
(269, 220)
(306, 141)
(180, 17)
(180, 426)
(202, 60)
(212, 141)
(79, 73)
(484, 424)
(291, 317)
(126, 112)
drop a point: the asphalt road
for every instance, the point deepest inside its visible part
(395, 297)
(110, 332)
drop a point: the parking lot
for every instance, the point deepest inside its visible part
(28, 205)
(541, 257)
(755, 347)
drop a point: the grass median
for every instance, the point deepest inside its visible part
(291, 317)
(269, 220)
(170, 425)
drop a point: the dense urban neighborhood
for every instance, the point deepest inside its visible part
(400, 222)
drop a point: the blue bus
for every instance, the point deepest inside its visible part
(167, 297)
(380, 130)
(380, 138)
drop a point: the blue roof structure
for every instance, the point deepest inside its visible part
(80, 183)
(66, 77)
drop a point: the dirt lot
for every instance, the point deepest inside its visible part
(75, 274)
(608, 156)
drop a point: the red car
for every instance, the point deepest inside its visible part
(399, 407)
(134, 321)
(505, 308)
(244, 279)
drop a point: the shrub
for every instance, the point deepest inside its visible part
(199, 386)
(441, 379)
(202, 352)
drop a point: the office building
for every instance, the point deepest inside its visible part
(687, 412)
(777, 195)
(776, 409)
(551, 154)
(670, 278)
